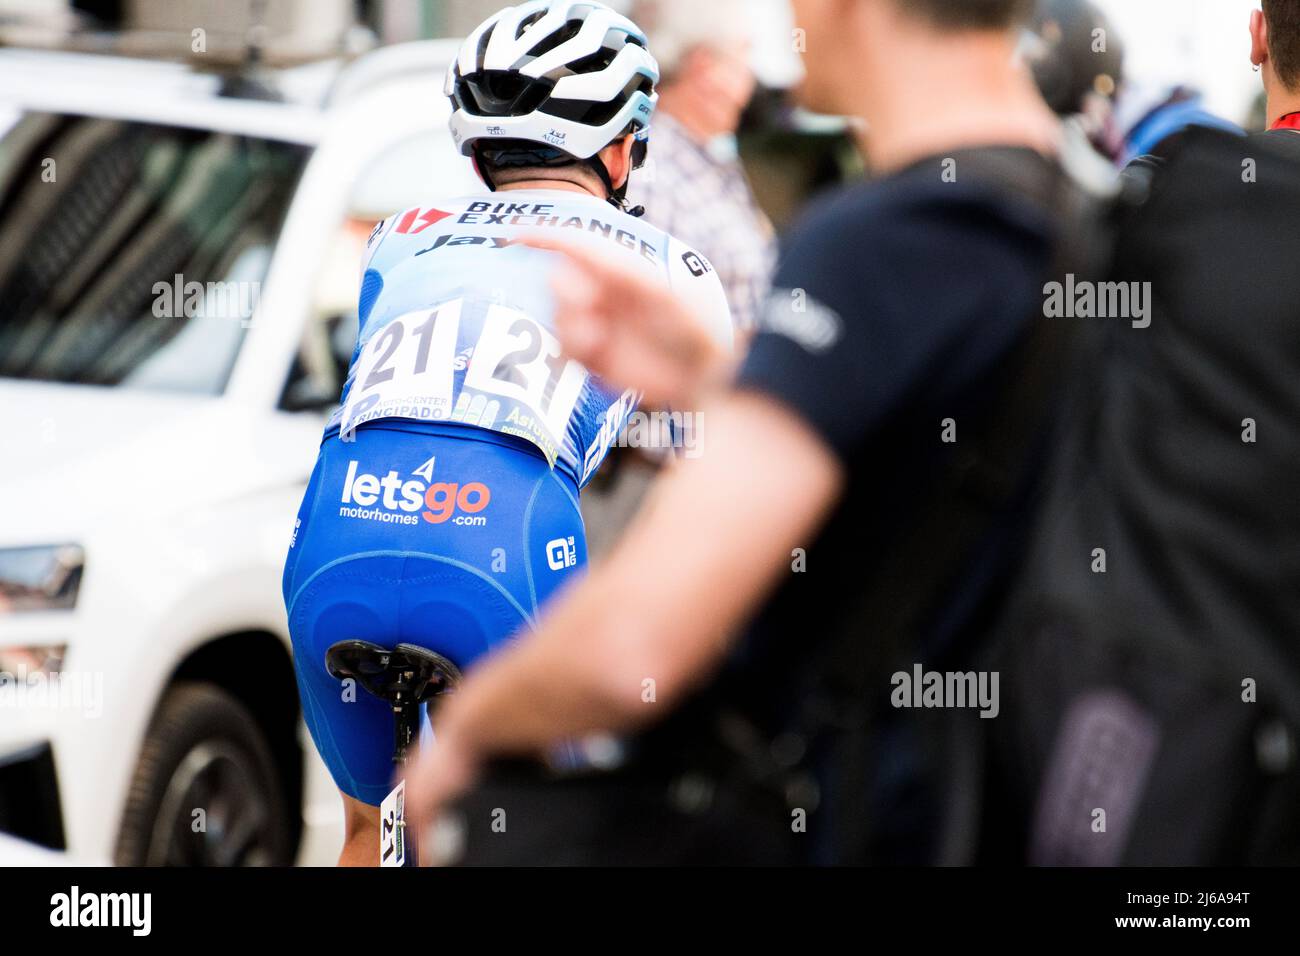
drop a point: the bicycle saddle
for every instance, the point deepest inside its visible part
(407, 673)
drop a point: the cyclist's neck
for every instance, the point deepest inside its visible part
(548, 185)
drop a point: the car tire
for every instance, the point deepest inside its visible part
(205, 790)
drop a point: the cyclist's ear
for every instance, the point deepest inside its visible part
(617, 157)
(478, 170)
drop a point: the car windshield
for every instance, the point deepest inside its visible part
(133, 254)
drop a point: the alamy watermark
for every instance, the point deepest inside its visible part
(627, 427)
(662, 430)
(206, 300)
(133, 911)
(63, 690)
(946, 689)
(1080, 299)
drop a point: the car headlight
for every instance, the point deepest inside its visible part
(41, 578)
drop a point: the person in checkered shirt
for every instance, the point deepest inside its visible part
(693, 185)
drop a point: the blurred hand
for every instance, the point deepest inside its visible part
(631, 330)
(444, 771)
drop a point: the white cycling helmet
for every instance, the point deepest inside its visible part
(571, 76)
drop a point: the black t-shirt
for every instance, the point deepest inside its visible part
(895, 305)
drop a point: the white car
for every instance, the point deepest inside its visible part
(178, 271)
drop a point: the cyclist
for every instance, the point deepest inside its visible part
(443, 509)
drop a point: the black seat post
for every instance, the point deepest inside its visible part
(406, 717)
(406, 677)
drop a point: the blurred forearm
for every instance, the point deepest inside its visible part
(622, 647)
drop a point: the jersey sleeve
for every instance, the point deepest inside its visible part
(371, 285)
(693, 278)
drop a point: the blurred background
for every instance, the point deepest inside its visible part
(186, 187)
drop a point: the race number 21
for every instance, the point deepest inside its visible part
(517, 358)
(410, 360)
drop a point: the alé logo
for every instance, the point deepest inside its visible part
(562, 553)
(436, 502)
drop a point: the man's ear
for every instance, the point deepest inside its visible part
(617, 157)
(1258, 38)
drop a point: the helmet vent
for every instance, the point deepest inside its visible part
(528, 22)
(547, 44)
(593, 113)
(503, 93)
(591, 64)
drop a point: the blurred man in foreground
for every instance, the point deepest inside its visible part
(896, 309)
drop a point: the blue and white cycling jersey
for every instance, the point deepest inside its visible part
(443, 508)
(457, 321)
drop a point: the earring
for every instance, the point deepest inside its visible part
(1255, 67)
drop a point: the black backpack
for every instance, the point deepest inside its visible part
(1147, 643)
(1150, 652)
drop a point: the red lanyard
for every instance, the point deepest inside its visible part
(1290, 121)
